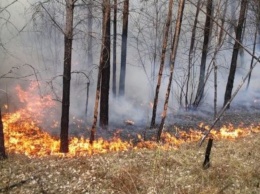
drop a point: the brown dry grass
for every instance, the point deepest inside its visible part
(235, 168)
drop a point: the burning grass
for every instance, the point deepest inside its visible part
(235, 169)
(121, 166)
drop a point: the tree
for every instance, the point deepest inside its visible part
(105, 66)
(255, 7)
(103, 74)
(68, 37)
(172, 61)
(191, 52)
(124, 49)
(90, 36)
(207, 29)
(164, 47)
(2, 141)
(114, 48)
(233, 65)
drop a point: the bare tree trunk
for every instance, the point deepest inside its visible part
(105, 65)
(252, 60)
(156, 24)
(87, 97)
(68, 36)
(207, 29)
(191, 51)
(124, 49)
(164, 47)
(90, 29)
(236, 48)
(114, 48)
(173, 57)
(104, 69)
(95, 118)
(2, 140)
(221, 33)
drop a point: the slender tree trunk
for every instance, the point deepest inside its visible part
(233, 65)
(124, 49)
(97, 97)
(103, 70)
(173, 57)
(87, 97)
(2, 140)
(105, 65)
(221, 33)
(90, 46)
(252, 59)
(164, 47)
(207, 29)
(191, 52)
(68, 36)
(90, 29)
(156, 24)
(114, 48)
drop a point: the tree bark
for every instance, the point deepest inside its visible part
(206, 163)
(2, 140)
(221, 33)
(105, 65)
(252, 59)
(164, 47)
(103, 74)
(191, 53)
(90, 29)
(233, 65)
(114, 48)
(173, 57)
(207, 29)
(68, 36)
(124, 49)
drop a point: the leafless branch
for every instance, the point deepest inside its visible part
(3, 9)
(54, 21)
(228, 103)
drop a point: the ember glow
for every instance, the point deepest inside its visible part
(23, 134)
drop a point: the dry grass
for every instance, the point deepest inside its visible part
(235, 168)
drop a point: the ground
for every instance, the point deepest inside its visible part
(235, 166)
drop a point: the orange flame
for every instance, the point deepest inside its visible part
(24, 136)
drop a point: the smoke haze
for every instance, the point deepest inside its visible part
(36, 53)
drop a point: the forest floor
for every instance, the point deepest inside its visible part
(235, 166)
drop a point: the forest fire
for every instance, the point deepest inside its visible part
(24, 136)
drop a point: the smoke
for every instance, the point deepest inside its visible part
(40, 46)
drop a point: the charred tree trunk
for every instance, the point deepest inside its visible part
(206, 163)
(114, 48)
(97, 97)
(173, 57)
(105, 65)
(68, 36)
(207, 29)
(233, 65)
(104, 69)
(2, 140)
(164, 47)
(124, 49)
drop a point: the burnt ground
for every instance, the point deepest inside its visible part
(238, 116)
